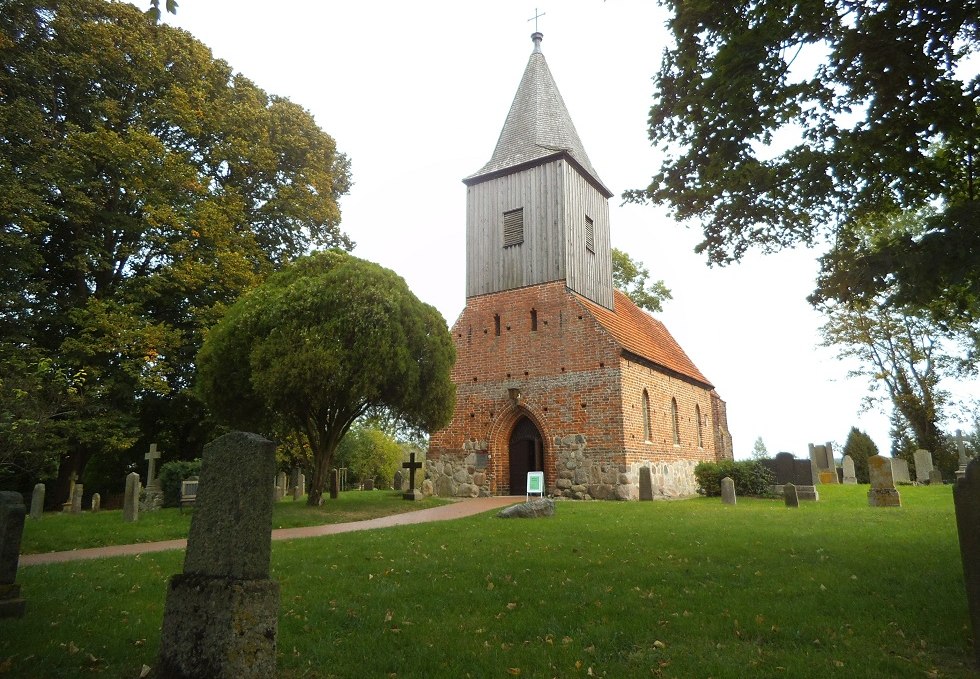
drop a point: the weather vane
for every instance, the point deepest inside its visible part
(535, 18)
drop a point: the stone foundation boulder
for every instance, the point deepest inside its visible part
(534, 509)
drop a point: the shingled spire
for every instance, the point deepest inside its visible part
(538, 126)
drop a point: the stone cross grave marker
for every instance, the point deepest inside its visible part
(412, 493)
(131, 501)
(883, 492)
(37, 501)
(646, 484)
(923, 465)
(12, 513)
(151, 457)
(728, 491)
(790, 496)
(221, 613)
(966, 498)
(964, 458)
(848, 465)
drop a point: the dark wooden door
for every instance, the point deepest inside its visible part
(526, 454)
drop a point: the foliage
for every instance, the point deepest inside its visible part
(146, 185)
(751, 477)
(860, 447)
(370, 453)
(785, 121)
(630, 276)
(319, 344)
(154, 11)
(796, 584)
(759, 450)
(171, 474)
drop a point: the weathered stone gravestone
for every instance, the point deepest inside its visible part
(966, 498)
(848, 465)
(131, 500)
(37, 501)
(961, 450)
(790, 496)
(412, 493)
(96, 502)
(152, 499)
(822, 457)
(399, 481)
(728, 491)
(293, 481)
(533, 509)
(12, 513)
(900, 471)
(72, 479)
(299, 490)
(801, 473)
(221, 615)
(883, 492)
(935, 478)
(923, 465)
(76, 498)
(646, 484)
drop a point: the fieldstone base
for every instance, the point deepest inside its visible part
(152, 499)
(533, 509)
(217, 627)
(884, 497)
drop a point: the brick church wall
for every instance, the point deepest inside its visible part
(574, 385)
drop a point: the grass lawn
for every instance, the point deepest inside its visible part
(603, 589)
(57, 531)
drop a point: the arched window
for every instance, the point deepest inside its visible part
(676, 421)
(646, 416)
(697, 418)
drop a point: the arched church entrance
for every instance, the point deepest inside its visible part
(526, 454)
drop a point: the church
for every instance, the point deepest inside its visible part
(556, 370)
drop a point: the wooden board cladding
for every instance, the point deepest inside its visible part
(555, 200)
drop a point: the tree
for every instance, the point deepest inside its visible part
(860, 447)
(875, 109)
(369, 453)
(759, 451)
(319, 344)
(145, 187)
(630, 277)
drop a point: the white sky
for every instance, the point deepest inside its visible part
(415, 93)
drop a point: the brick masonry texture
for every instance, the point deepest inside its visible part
(581, 392)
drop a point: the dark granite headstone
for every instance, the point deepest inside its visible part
(966, 498)
(646, 484)
(12, 514)
(790, 496)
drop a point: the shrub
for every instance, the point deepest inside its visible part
(751, 477)
(171, 474)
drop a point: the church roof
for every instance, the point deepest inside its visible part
(641, 334)
(538, 125)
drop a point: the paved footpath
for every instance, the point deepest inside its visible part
(453, 510)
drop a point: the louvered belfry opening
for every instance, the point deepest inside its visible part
(514, 227)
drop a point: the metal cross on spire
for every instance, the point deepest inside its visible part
(535, 18)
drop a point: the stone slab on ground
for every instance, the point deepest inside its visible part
(535, 509)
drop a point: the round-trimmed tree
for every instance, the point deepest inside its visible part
(320, 343)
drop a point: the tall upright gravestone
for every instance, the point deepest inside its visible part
(966, 498)
(883, 492)
(850, 477)
(822, 457)
(131, 500)
(12, 513)
(221, 615)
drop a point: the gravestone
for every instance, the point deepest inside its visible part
(412, 493)
(293, 481)
(646, 484)
(277, 491)
(728, 491)
(96, 502)
(935, 478)
(923, 465)
(76, 498)
(822, 457)
(801, 473)
(883, 492)
(848, 465)
(961, 450)
(790, 496)
(152, 499)
(72, 479)
(334, 484)
(368, 484)
(966, 498)
(131, 500)
(221, 614)
(299, 490)
(12, 513)
(37, 501)
(399, 481)
(900, 471)
(281, 480)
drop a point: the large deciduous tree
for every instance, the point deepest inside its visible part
(319, 344)
(630, 277)
(783, 121)
(145, 185)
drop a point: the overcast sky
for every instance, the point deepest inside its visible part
(415, 93)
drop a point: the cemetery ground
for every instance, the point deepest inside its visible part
(691, 588)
